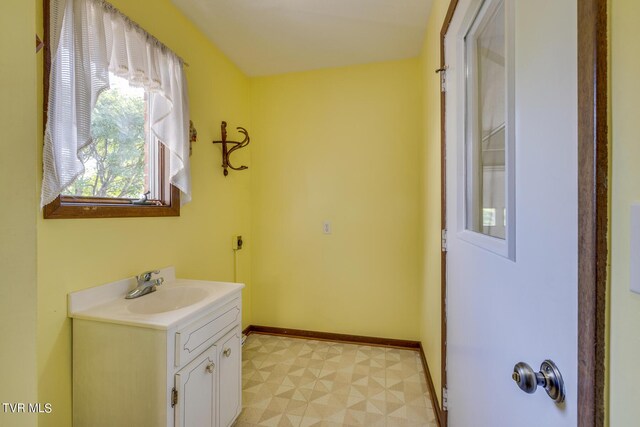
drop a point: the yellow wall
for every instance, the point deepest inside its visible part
(18, 215)
(625, 188)
(76, 254)
(341, 145)
(350, 145)
(430, 297)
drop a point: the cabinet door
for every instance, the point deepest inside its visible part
(230, 380)
(196, 386)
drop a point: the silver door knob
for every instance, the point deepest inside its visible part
(549, 377)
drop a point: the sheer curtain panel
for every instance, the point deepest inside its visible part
(89, 39)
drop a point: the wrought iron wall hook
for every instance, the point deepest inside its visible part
(226, 151)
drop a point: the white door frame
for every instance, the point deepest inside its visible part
(592, 209)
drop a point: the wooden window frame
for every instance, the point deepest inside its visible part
(68, 207)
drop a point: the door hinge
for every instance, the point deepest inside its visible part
(445, 399)
(443, 78)
(444, 240)
(174, 397)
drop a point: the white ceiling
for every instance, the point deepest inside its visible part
(265, 37)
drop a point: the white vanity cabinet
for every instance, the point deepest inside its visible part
(210, 386)
(230, 378)
(197, 384)
(180, 369)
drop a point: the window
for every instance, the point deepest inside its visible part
(488, 217)
(116, 140)
(121, 162)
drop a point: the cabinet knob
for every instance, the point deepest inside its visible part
(210, 367)
(227, 352)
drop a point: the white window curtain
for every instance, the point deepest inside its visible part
(89, 39)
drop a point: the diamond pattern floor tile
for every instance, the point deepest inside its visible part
(290, 382)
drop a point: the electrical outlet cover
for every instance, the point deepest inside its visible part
(326, 227)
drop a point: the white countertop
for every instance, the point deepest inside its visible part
(107, 303)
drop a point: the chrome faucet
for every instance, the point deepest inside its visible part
(145, 284)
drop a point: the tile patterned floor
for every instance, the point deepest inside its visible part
(303, 383)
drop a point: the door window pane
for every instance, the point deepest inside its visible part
(485, 136)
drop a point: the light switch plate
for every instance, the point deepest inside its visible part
(634, 255)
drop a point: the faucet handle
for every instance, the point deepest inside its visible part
(146, 276)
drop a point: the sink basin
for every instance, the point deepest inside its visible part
(170, 299)
(177, 301)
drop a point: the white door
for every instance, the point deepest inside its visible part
(512, 208)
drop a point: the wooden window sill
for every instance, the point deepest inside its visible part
(110, 208)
